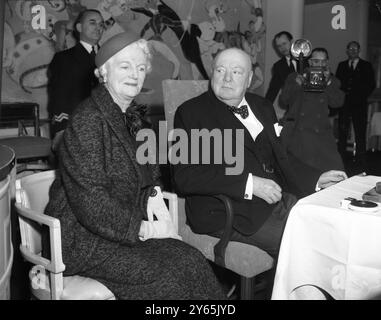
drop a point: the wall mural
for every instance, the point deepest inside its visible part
(185, 36)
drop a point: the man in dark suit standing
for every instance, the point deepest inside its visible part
(358, 82)
(283, 67)
(71, 72)
(263, 193)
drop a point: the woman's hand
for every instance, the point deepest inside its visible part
(161, 228)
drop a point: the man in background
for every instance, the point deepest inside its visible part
(71, 72)
(358, 82)
(283, 67)
(307, 131)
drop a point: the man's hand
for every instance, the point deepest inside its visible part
(57, 140)
(299, 79)
(266, 189)
(330, 178)
(327, 74)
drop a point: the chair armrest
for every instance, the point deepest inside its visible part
(220, 247)
(56, 264)
(38, 217)
(173, 207)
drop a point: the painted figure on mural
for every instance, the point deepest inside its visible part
(252, 46)
(162, 16)
(208, 46)
(27, 54)
(158, 24)
(63, 29)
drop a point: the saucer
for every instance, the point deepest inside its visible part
(363, 206)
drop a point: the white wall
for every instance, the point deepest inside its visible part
(318, 28)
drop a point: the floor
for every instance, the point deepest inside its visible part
(20, 282)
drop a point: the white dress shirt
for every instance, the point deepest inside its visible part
(255, 127)
(291, 61)
(355, 62)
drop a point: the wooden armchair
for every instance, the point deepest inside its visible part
(46, 275)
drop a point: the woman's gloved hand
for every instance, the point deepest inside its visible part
(159, 229)
(157, 207)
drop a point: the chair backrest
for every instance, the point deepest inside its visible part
(175, 92)
(36, 186)
(20, 115)
(32, 192)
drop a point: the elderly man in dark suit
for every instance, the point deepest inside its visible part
(263, 193)
(358, 82)
(71, 72)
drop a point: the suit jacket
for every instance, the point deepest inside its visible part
(280, 72)
(363, 81)
(198, 181)
(100, 195)
(71, 79)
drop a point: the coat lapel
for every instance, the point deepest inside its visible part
(114, 116)
(81, 54)
(268, 127)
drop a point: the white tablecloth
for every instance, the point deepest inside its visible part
(335, 249)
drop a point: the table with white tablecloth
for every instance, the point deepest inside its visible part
(328, 247)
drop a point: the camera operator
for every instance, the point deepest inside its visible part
(307, 132)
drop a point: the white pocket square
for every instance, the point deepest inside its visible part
(278, 129)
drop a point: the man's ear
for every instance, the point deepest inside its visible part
(78, 27)
(250, 77)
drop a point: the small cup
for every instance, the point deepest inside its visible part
(378, 187)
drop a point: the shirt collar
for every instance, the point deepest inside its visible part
(355, 61)
(242, 103)
(88, 46)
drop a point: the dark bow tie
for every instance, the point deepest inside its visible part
(242, 111)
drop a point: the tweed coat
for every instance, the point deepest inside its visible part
(100, 198)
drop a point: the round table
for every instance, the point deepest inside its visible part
(7, 163)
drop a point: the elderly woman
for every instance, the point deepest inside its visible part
(115, 225)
